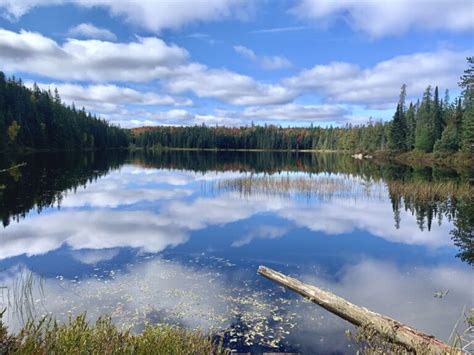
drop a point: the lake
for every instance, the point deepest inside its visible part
(177, 237)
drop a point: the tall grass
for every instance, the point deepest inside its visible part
(321, 186)
(430, 191)
(77, 336)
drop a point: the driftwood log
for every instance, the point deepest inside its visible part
(414, 340)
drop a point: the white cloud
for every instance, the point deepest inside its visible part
(177, 216)
(93, 257)
(14, 9)
(271, 114)
(88, 30)
(380, 84)
(160, 290)
(228, 86)
(296, 112)
(381, 18)
(246, 52)
(94, 60)
(280, 29)
(376, 217)
(104, 229)
(144, 60)
(150, 15)
(404, 293)
(261, 232)
(266, 62)
(156, 15)
(110, 98)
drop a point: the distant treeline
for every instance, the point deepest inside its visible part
(37, 119)
(431, 124)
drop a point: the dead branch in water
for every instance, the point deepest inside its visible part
(12, 167)
(414, 340)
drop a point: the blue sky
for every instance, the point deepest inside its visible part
(233, 62)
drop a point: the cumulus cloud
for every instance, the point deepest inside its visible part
(88, 30)
(272, 114)
(110, 98)
(144, 60)
(93, 60)
(228, 86)
(381, 18)
(150, 15)
(379, 85)
(104, 229)
(405, 293)
(341, 216)
(266, 62)
(178, 216)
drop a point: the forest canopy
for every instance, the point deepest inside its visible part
(38, 119)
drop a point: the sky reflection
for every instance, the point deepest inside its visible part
(182, 247)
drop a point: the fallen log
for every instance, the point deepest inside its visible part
(399, 333)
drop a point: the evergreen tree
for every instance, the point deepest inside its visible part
(467, 83)
(410, 127)
(451, 137)
(31, 118)
(397, 132)
(424, 138)
(437, 116)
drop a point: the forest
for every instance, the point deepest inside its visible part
(432, 124)
(38, 120)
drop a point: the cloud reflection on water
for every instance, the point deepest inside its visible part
(94, 217)
(210, 298)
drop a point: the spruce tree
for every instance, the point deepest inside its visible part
(467, 83)
(410, 127)
(397, 132)
(437, 116)
(424, 138)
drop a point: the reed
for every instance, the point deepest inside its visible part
(321, 186)
(430, 190)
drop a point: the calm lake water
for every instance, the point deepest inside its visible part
(177, 238)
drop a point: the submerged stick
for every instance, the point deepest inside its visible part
(412, 339)
(12, 167)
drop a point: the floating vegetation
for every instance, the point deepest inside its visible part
(163, 293)
(441, 293)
